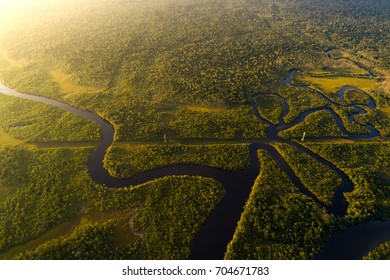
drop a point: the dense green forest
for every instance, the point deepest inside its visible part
(36, 122)
(159, 209)
(382, 252)
(156, 221)
(269, 107)
(367, 166)
(137, 63)
(319, 124)
(124, 160)
(278, 222)
(176, 79)
(316, 177)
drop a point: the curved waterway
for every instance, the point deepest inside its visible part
(217, 231)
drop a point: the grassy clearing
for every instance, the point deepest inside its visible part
(333, 84)
(206, 109)
(66, 86)
(123, 233)
(385, 112)
(346, 66)
(17, 63)
(339, 63)
(350, 71)
(339, 71)
(9, 140)
(61, 230)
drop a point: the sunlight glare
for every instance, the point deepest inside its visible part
(18, 4)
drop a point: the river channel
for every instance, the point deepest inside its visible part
(217, 231)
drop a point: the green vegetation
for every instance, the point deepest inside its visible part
(14, 163)
(66, 86)
(278, 222)
(341, 66)
(382, 252)
(187, 71)
(318, 124)
(172, 215)
(8, 140)
(381, 119)
(368, 167)
(234, 123)
(332, 84)
(352, 155)
(154, 233)
(169, 211)
(136, 63)
(124, 161)
(37, 122)
(89, 242)
(356, 97)
(299, 101)
(57, 189)
(356, 126)
(206, 109)
(316, 177)
(270, 107)
(62, 190)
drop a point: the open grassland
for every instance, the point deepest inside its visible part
(206, 109)
(332, 84)
(9, 140)
(385, 112)
(66, 86)
(335, 67)
(12, 62)
(338, 62)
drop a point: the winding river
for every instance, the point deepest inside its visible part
(217, 231)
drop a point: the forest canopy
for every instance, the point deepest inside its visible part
(192, 83)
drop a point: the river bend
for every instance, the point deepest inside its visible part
(216, 233)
